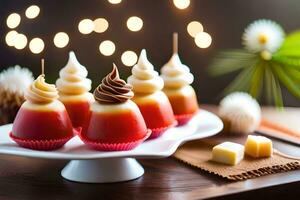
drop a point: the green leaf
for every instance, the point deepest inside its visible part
(257, 79)
(291, 40)
(272, 87)
(241, 82)
(230, 61)
(293, 73)
(276, 90)
(268, 84)
(286, 80)
(289, 52)
(285, 60)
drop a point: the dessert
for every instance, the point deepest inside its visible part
(116, 122)
(229, 153)
(258, 146)
(153, 103)
(74, 87)
(42, 122)
(177, 79)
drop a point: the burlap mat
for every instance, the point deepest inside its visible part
(198, 154)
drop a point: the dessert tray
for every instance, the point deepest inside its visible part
(90, 166)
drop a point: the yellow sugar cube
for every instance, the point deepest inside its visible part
(258, 146)
(228, 153)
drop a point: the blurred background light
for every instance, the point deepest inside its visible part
(20, 41)
(134, 23)
(155, 34)
(61, 39)
(107, 48)
(194, 27)
(32, 12)
(129, 58)
(203, 40)
(181, 4)
(36, 45)
(13, 20)
(86, 26)
(10, 38)
(114, 1)
(100, 25)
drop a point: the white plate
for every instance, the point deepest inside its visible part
(203, 124)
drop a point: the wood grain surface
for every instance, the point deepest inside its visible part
(28, 178)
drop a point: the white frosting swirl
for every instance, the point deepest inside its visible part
(41, 92)
(73, 79)
(144, 78)
(175, 74)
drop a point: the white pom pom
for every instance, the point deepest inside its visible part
(263, 35)
(16, 79)
(241, 111)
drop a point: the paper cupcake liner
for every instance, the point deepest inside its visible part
(41, 145)
(157, 132)
(99, 146)
(77, 130)
(183, 119)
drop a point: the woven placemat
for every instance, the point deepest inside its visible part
(198, 154)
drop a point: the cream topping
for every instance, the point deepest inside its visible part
(41, 92)
(114, 108)
(72, 78)
(113, 89)
(183, 91)
(50, 107)
(175, 74)
(144, 78)
(77, 98)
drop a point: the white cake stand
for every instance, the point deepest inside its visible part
(91, 166)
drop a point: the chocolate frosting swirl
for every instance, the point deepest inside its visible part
(113, 89)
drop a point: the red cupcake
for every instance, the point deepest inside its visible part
(153, 103)
(177, 79)
(116, 122)
(74, 87)
(42, 122)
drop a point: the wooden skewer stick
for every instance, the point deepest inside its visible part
(43, 66)
(175, 43)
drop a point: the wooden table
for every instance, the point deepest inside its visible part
(28, 178)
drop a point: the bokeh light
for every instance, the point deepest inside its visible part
(10, 38)
(181, 4)
(86, 26)
(134, 23)
(107, 48)
(100, 25)
(203, 40)
(61, 39)
(36, 45)
(32, 12)
(129, 58)
(20, 41)
(114, 1)
(194, 28)
(13, 20)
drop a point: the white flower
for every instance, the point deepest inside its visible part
(241, 111)
(263, 35)
(16, 79)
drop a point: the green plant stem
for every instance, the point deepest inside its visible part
(286, 80)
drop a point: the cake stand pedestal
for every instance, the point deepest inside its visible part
(90, 166)
(103, 171)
